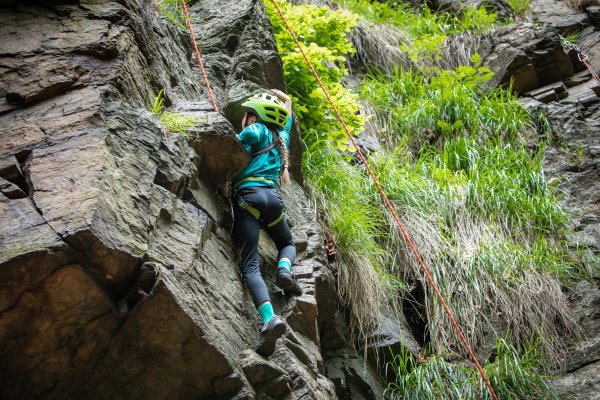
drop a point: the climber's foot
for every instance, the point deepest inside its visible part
(269, 334)
(285, 280)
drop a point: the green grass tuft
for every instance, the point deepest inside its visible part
(520, 7)
(173, 122)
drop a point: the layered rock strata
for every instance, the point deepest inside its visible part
(118, 275)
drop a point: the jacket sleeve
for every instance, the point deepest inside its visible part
(250, 135)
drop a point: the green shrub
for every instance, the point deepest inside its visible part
(323, 35)
(447, 103)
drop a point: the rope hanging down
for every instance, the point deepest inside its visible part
(189, 24)
(389, 206)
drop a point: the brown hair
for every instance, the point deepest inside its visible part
(284, 156)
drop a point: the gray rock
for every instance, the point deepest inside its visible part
(388, 340)
(530, 57)
(352, 380)
(11, 190)
(258, 370)
(582, 384)
(559, 15)
(594, 13)
(582, 362)
(112, 242)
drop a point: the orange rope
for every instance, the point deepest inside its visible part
(389, 206)
(189, 24)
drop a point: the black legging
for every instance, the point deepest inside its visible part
(266, 205)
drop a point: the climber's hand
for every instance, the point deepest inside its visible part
(285, 98)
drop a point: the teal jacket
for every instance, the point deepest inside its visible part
(263, 169)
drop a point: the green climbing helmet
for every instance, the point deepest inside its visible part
(268, 108)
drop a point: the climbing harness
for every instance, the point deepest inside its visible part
(389, 206)
(368, 167)
(581, 56)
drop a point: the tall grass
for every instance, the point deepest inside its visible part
(350, 209)
(422, 22)
(476, 203)
(492, 254)
(447, 103)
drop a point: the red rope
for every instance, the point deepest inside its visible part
(583, 58)
(389, 206)
(189, 24)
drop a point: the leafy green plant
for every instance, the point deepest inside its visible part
(520, 7)
(172, 122)
(513, 375)
(323, 35)
(448, 102)
(455, 166)
(172, 10)
(423, 22)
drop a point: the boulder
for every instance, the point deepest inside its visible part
(560, 15)
(118, 273)
(525, 55)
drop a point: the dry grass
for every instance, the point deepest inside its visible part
(483, 269)
(459, 49)
(486, 288)
(361, 291)
(379, 46)
(376, 125)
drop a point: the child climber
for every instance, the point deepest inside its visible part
(257, 204)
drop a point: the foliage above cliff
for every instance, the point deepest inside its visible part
(323, 32)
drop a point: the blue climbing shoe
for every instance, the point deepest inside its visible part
(286, 281)
(269, 334)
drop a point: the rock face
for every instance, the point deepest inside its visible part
(527, 55)
(571, 103)
(560, 15)
(118, 275)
